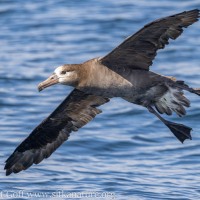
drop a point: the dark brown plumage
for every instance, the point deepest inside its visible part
(139, 50)
(54, 130)
(122, 73)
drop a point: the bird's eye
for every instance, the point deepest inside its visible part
(63, 72)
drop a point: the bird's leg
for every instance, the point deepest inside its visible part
(181, 131)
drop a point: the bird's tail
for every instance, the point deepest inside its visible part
(172, 101)
(183, 86)
(196, 91)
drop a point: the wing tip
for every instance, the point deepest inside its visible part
(192, 15)
(12, 169)
(18, 161)
(8, 172)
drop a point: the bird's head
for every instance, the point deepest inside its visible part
(65, 74)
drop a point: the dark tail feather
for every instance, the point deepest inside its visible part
(196, 91)
(182, 85)
(181, 131)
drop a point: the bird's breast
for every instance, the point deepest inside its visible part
(103, 81)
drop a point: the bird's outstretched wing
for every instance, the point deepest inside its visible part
(73, 113)
(139, 50)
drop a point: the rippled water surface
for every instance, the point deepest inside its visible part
(125, 152)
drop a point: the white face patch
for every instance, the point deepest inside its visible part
(58, 70)
(62, 72)
(65, 76)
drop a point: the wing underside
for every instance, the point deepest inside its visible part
(74, 112)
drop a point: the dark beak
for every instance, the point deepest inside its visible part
(53, 79)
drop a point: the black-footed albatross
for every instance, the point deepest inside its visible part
(124, 73)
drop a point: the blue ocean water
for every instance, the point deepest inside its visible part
(125, 152)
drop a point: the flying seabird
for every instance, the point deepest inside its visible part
(124, 72)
